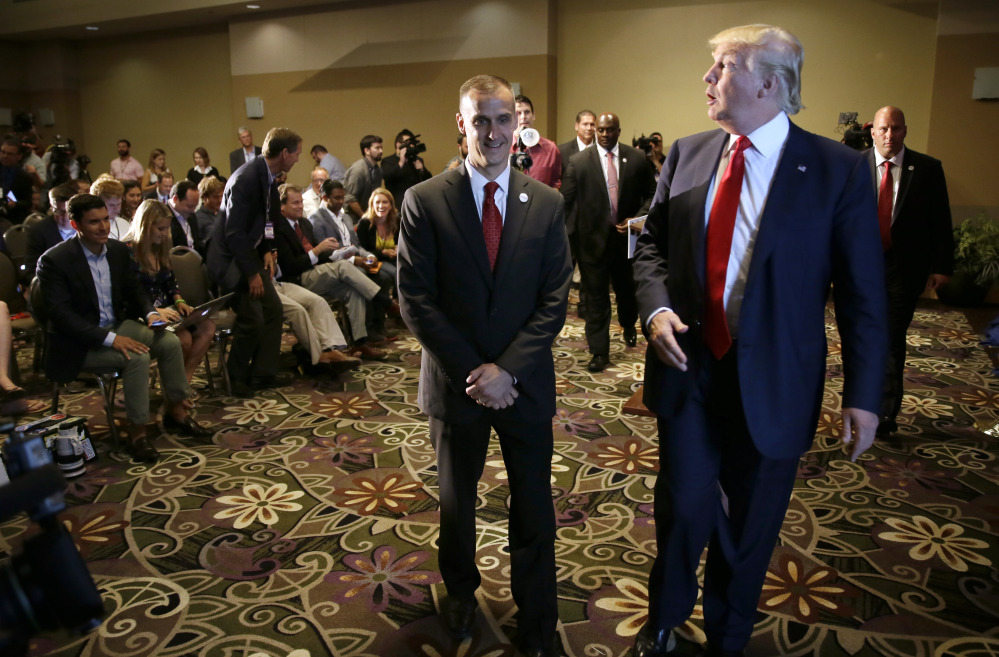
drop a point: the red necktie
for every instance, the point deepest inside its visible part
(885, 197)
(612, 186)
(721, 223)
(492, 223)
(306, 244)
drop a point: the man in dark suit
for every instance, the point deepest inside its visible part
(586, 128)
(750, 225)
(92, 297)
(240, 260)
(164, 185)
(184, 228)
(15, 184)
(605, 186)
(52, 230)
(917, 237)
(483, 284)
(246, 152)
(325, 269)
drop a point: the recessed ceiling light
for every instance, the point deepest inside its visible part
(253, 6)
(93, 28)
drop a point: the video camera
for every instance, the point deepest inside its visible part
(644, 143)
(856, 136)
(413, 149)
(45, 585)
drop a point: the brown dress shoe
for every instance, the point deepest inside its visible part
(367, 352)
(339, 360)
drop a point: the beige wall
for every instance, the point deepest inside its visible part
(964, 130)
(644, 60)
(338, 75)
(162, 90)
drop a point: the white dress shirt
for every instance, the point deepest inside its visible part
(479, 189)
(761, 163)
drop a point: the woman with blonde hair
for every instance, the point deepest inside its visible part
(157, 167)
(151, 242)
(378, 229)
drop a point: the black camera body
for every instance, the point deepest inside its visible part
(413, 149)
(45, 585)
(644, 143)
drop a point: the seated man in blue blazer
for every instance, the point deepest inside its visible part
(94, 303)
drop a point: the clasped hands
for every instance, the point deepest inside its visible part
(492, 386)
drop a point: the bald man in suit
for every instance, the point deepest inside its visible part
(917, 237)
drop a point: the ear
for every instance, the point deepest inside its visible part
(461, 122)
(769, 86)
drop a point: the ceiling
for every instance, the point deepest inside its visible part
(38, 20)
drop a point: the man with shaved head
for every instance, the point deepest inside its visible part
(605, 186)
(915, 225)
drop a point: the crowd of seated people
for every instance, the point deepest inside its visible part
(148, 211)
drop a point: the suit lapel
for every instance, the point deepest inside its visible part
(704, 170)
(83, 271)
(513, 223)
(466, 217)
(789, 183)
(908, 173)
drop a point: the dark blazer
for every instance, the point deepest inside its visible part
(179, 237)
(152, 195)
(922, 235)
(567, 150)
(21, 185)
(585, 192)
(237, 158)
(367, 234)
(465, 315)
(819, 226)
(292, 257)
(248, 200)
(42, 236)
(71, 303)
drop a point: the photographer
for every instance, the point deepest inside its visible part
(546, 160)
(406, 168)
(14, 183)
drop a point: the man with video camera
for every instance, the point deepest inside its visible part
(406, 168)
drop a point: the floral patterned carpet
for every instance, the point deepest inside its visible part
(306, 526)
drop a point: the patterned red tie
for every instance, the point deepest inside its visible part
(306, 244)
(612, 186)
(492, 223)
(721, 224)
(885, 194)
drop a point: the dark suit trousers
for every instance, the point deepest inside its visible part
(901, 308)
(527, 453)
(706, 448)
(256, 333)
(596, 278)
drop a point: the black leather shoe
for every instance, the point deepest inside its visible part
(458, 616)
(187, 426)
(598, 363)
(553, 649)
(276, 381)
(630, 336)
(242, 389)
(142, 450)
(649, 643)
(886, 427)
